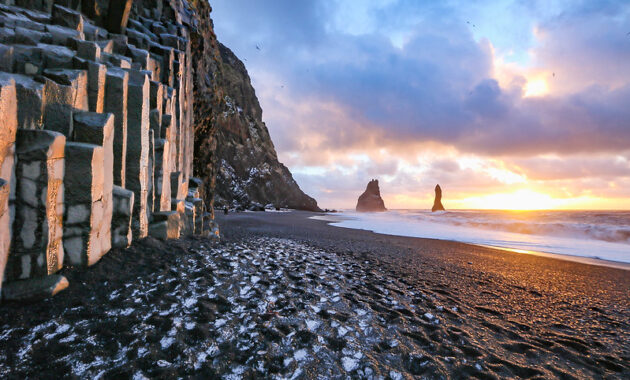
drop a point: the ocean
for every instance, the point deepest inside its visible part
(594, 235)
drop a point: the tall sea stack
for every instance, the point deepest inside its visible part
(371, 200)
(437, 204)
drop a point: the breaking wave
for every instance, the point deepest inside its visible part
(601, 235)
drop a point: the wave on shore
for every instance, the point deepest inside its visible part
(588, 234)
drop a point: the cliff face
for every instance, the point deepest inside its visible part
(97, 102)
(208, 97)
(247, 166)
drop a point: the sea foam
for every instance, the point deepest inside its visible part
(598, 235)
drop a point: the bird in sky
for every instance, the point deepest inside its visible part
(257, 47)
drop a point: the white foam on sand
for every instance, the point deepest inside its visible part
(400, 224)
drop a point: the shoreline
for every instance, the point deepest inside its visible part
(335, 219)
(560, 256)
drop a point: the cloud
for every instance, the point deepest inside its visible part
(403, 77)
(556, 168)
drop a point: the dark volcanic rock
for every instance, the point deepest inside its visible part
(437, 204)
(247, 168)
(234, 155)
(371, 199)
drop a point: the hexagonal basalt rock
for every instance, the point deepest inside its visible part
(121, 217)
(5, 228)
(116, 90)
(34, 289)
(98, 129)
(83, 216)
(137, 175)
(30, 102)
(36, 247)
(162, 176)
(8, 128)
(65, 91)
(166, 225)
(67, 18)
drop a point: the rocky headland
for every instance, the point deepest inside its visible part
(370, 200)
(249, 175)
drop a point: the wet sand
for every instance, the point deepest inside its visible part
(284, 296)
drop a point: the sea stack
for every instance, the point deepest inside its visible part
(437, 204)
(370, 200)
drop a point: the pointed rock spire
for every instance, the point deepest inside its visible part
(437, 204)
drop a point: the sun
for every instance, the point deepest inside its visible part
(536, 87)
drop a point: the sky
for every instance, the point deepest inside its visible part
(521, 104)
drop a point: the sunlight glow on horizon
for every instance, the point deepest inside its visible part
(520, 200)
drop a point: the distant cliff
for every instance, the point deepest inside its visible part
(247, 168)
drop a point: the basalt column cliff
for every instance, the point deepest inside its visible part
(98, 104)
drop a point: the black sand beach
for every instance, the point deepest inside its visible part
(283, 296)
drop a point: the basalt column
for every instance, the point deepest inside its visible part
(98, 129)
(37, 249)
(83, 219)
(8, 127)
(116, 91)
(137, 175)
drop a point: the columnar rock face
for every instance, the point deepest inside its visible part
(37, 249)
(96, 113)
(137, 171)
(371, 200)
(131, 89)
(8, 127)
(98, 129)
(5, 227)
(83, 221)
(116, 84)
(437, 203)
(196, 205)
(162, 176)
(121, 217)
(166, 225)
